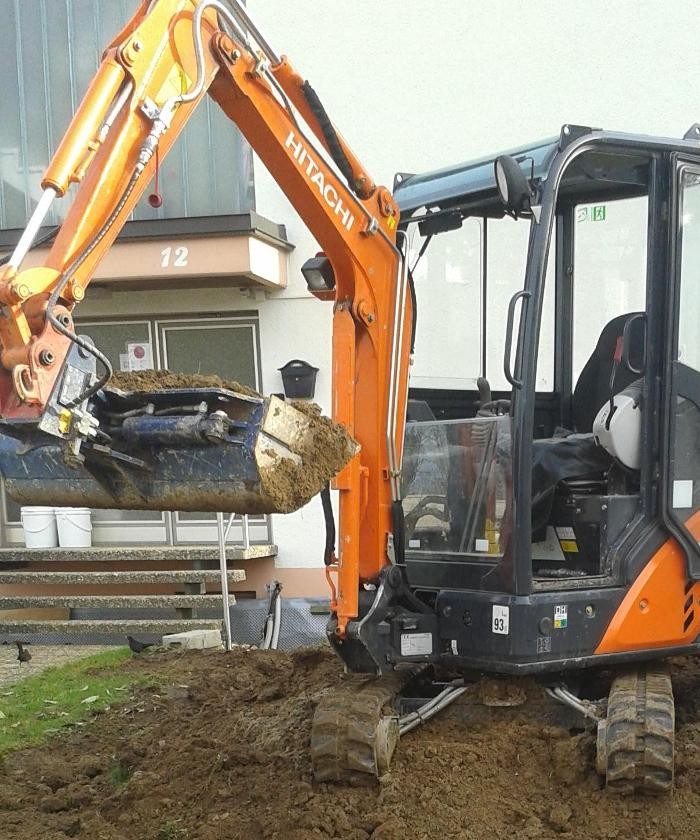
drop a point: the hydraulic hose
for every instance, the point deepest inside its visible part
(429, 709)
(273, 620)
(63, 282)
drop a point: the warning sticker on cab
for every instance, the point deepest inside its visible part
(500, 619)
(569, 546)
(567, 540)
(561, 617)
(416, 644)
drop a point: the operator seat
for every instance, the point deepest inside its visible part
(593, 387)
(577, 455)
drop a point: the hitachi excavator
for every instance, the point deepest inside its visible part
(512, 532)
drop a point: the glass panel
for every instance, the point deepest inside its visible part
(448, 289)
(113, 339)
(49, 52)
(507, 243)
(228, 351)
(685, 452)
(685, 486)
(12, 510)
(610, 258)
(457, 485)
(689, 307)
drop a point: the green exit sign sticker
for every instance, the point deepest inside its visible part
(594, 213)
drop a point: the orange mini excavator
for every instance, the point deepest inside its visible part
(513, 532)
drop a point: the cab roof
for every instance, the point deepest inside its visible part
(616, 167)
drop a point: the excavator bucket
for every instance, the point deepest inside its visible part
(186, 449)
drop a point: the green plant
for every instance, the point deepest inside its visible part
(172, 831)
(119, 774)
(38, 707)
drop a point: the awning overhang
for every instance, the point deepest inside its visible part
(244, 250)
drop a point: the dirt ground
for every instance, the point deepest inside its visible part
(216, 748)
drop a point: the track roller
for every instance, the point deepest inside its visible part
(635, 742)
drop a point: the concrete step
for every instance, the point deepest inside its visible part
(118, 578)
(16, 602)
(109, 627)
(133, 554)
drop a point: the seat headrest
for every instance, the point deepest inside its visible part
(593, 386)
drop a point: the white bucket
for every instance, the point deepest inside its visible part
(74, 527)
(39, 525)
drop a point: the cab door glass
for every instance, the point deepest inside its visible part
(610, 255)
(684, 484)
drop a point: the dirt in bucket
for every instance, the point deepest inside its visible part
(154, 380)
(216, 747)
(326, 449)
(287, 485)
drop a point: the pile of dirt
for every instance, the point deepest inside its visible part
(154, 380)
(217, 747)
(326, 449)
(285, 484)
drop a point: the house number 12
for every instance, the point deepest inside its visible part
(175, 257)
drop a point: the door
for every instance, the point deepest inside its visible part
(683, 396)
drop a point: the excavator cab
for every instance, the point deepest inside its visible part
(532, 511)
(551, 470)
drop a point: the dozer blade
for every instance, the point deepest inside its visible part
(198, 449)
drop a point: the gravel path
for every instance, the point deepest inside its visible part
(43, 657)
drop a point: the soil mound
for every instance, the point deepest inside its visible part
(217, 747)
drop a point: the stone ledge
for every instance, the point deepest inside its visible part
(134, 554)
(117, 578)
(121, 627)
(15, 602)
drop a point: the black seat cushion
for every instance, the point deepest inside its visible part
(559, 459)
(593, 387)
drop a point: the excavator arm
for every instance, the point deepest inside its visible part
(152, 77)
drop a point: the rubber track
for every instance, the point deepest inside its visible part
(345, 743)
(640, 733)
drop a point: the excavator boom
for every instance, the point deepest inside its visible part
(69, 434)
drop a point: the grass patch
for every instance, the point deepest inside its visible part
(38, 707)
(119, 775)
